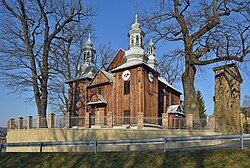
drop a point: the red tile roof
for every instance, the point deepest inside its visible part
(247, 109)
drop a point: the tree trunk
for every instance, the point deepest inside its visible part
(190, 98)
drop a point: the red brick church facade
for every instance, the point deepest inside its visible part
(129, 86)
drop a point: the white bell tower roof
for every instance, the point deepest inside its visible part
(135, 53)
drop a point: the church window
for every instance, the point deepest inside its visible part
(137, 39)
(167, 100)
(84, 56)
(99, 91)
(88, 54)
(172, 100)
(77, 95)
(161, 97)
(127, 87)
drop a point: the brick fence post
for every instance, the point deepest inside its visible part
(211, 122)
(11, 124)
(20, 123)
(38, 121)
(140, 120)
(29, 122)
(110, 119)
(68, 120)
(51, 120)
(87, 120)
(164, 120)
(189, 120)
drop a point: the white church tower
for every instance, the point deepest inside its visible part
(135, 53)
(88, 68)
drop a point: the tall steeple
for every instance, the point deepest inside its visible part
(88, 51)
(151, 55)
(135, 53)
(88, 68)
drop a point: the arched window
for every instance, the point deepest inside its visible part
(137, 39)
(84, 56)
(172, 100)
(77, 97)
(132, 40)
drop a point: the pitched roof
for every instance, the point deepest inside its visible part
(127, 65)
(108, 75)
(161, 79)
(117, 60)
(174, 109)
(227, 67)
(100, 100)
(247, 109)
(133, 64)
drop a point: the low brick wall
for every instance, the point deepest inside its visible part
(52, 135)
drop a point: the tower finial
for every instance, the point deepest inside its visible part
(89, 36)
(136, 14)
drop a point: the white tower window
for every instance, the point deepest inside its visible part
(137, 39)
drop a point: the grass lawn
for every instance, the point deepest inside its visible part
(204, 158)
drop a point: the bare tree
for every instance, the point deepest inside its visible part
(67, 58)
(246, 101)
(104, 55)
(170, 68)
(28, 30)
(209, 31)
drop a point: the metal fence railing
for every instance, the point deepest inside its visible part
(100, 121)
(125, 120)
(61, 121)
(24, 124)
(43, 123)
(77, 121)
(145, 143)
(177, 123)
(152, 120)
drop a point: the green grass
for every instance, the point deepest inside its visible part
(208, 158)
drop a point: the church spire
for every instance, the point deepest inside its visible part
(136, 13)
(88, 51)
(88, 68)
(136, 45)
(89, 37)
(136, 17)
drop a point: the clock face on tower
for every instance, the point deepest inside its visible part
(150, 77)
(126, 75)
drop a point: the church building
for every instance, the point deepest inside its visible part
(130, 85)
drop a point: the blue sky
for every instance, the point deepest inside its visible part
(112, 25)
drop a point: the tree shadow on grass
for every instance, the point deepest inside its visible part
(181, 159)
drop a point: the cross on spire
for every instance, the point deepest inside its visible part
(136, 6)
